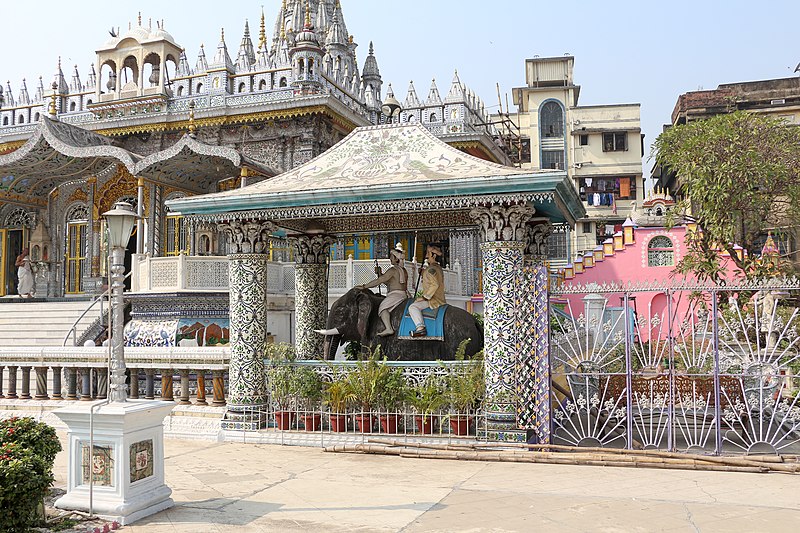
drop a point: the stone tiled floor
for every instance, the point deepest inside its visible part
(259, 488)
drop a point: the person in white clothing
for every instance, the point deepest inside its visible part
(25, 274)
(396, 280)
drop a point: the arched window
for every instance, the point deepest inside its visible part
(551, 120)
(241, 87)
(432, 117)
(282, 82)
(21, 119)
(72, 106)
(180, 90)
(660, 252)
(199, 88)
(88, 102)
(5, 121)
(262, 85)
(37, 116)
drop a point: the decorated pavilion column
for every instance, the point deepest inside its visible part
(533, 365)
(503, 231)
(311, 293)
(248, 322)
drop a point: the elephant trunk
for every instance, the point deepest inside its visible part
(331, 345)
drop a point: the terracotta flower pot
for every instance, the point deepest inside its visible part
(338, 422)
(424, 424)
(388, 423)
(312, 421)
(460, 424)
(364, 422)
(284, 419)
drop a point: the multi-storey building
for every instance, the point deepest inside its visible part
(777, 97)
(600, 147)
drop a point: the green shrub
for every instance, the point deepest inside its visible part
(27, 451)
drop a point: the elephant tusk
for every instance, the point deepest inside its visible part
(334, 331)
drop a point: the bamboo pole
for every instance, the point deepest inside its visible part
(592, 458)
(579, 449)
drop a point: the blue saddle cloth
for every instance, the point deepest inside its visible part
(434, 324)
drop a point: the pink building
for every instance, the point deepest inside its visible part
(642, 252)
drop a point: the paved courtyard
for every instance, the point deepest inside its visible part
(260, 488)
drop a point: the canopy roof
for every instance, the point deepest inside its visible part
(389, 171)
(58, 152)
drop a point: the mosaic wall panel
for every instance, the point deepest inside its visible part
(248, 329)
(311, 309)
(533, 375)
(194, 331)
(141, 460)
(151, 333)
(502, 262)
(100, 465)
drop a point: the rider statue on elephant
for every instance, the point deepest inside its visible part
(396, 280)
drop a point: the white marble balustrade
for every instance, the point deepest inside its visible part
(183, 273)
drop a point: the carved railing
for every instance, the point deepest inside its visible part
(81, 373)
(183, 273)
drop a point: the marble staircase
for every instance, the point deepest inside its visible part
(43, 323)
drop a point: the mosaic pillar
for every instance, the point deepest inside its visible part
(533, 365)
(311, 293)
(93, 261)
(503, 231)
(249, 248)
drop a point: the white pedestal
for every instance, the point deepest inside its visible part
(128, 462)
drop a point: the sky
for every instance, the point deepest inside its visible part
(646, 52)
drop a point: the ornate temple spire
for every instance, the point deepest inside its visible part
(298, 19)
(371, 64)
(40, 90)
(247, 56)
(183, 65)
(222, 58)
(411, 98)
(433, 95)
(10, 102)
(201, 65)
(456, 93)
(91, 82)
(340, 16)
(59, 79)
(322, 21)
(24, 99)
(336, 32)
(76, 85)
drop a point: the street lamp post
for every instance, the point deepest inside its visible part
(129, 432)
(391, 107)
(120, 222)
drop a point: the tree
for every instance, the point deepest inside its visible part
(740, 176)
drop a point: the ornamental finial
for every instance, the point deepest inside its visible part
(262, 33)
(308, 15)
(192, 126)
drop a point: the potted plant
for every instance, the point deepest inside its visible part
(282, 380)
(309, 391)
(363, 384)
(335, 397)
(426, 398)
(391, 393)
(465, 388)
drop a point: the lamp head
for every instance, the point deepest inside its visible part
(391, 107)
(120, 222)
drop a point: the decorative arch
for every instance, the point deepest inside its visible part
(19, 217)
(551, 119)
(660, 251)
(121, 184)
(76, 211)
(262, 85)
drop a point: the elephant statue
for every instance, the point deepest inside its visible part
(354, 317)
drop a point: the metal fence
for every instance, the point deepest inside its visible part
(313, 422)
(684, 368)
